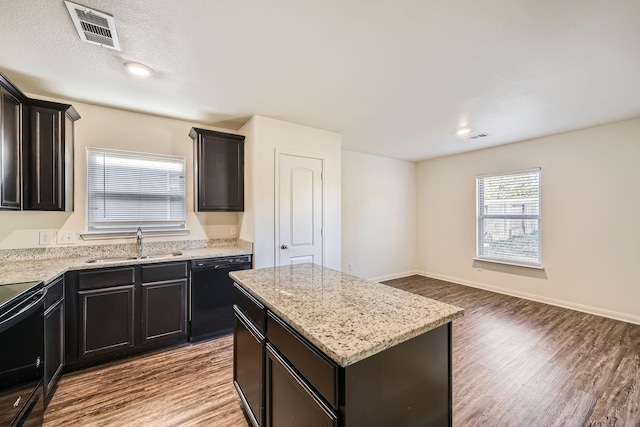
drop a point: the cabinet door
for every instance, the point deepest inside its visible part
(53, 348)
(11, 139)
(44, 163)
(289, 400)
(106, 320)
(48, 157)
(248, 367)
(220, 171)
(164, 310)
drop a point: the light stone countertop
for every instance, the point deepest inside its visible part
(48, 269)
(346, 317)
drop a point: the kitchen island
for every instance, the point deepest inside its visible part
(314, 346)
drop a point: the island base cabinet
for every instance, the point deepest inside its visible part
(290, 401)
(406, 385)
(248, 367)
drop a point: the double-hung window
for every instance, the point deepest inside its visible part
(127, 190)
(508, 218)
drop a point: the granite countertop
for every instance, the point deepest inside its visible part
(48, 269)
(346, 317)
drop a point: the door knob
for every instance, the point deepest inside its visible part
(284, 246)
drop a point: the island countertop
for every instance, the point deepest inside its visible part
(346, 317)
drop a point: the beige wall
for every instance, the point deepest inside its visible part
(113, 128)
(590, 219)
(378, 216)
(265, 137)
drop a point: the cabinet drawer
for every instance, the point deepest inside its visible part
(106, 278)
(55, 292)
(319, 371)
(160, 272)
(251, 307)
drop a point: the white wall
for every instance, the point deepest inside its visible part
(378, 216)
(113, 128)
(590, 219)
(265, 137)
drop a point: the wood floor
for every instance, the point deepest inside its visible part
(516, 363)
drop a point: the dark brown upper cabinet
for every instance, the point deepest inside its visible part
(218, 171)
(36, 154)
(11, 102)
(48, 157)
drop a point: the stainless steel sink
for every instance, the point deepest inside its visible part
(110, 259)
(130, 258)
(161, 255)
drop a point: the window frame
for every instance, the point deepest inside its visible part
(151, 228)
(480, 216)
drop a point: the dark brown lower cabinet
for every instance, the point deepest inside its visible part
(248, 367)
(54, 352)
(118, 311)
(289, 400)
(164, 310)
(106, 320)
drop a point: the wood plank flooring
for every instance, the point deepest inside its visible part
(516, 363)
(189, 385)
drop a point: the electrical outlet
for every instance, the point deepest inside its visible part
(66, 237)
(233, 230)
(350, 266)
(46, 237)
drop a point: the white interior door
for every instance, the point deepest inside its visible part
(300, 210)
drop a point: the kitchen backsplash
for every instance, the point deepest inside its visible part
(122, 249)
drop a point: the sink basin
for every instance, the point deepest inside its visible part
(161, 255)
(130, 258)
(110, 259)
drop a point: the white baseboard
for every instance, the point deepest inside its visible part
(625, 317)
(393, 276)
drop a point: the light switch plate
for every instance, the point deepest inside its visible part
(46, 237)
(66, 237)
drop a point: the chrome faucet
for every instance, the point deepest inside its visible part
(139, 243)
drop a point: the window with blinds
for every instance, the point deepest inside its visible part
(127, 190)
(508, 218)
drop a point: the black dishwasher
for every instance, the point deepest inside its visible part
(213, 295)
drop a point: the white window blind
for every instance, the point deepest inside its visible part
(127, 190)
(508, 218)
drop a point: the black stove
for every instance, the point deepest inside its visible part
(13, 291)
(21, 354)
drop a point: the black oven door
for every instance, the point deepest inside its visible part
(21, 358)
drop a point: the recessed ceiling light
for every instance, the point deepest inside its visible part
(462, 132)
(137, 69)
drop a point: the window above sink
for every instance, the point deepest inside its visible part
(127, 190)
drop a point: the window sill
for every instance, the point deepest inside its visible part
(132, 234)
(511, 263)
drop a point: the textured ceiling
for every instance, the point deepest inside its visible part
(395, 77)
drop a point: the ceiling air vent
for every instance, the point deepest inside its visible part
(93, 26)
(478, 135)
(469, 136)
